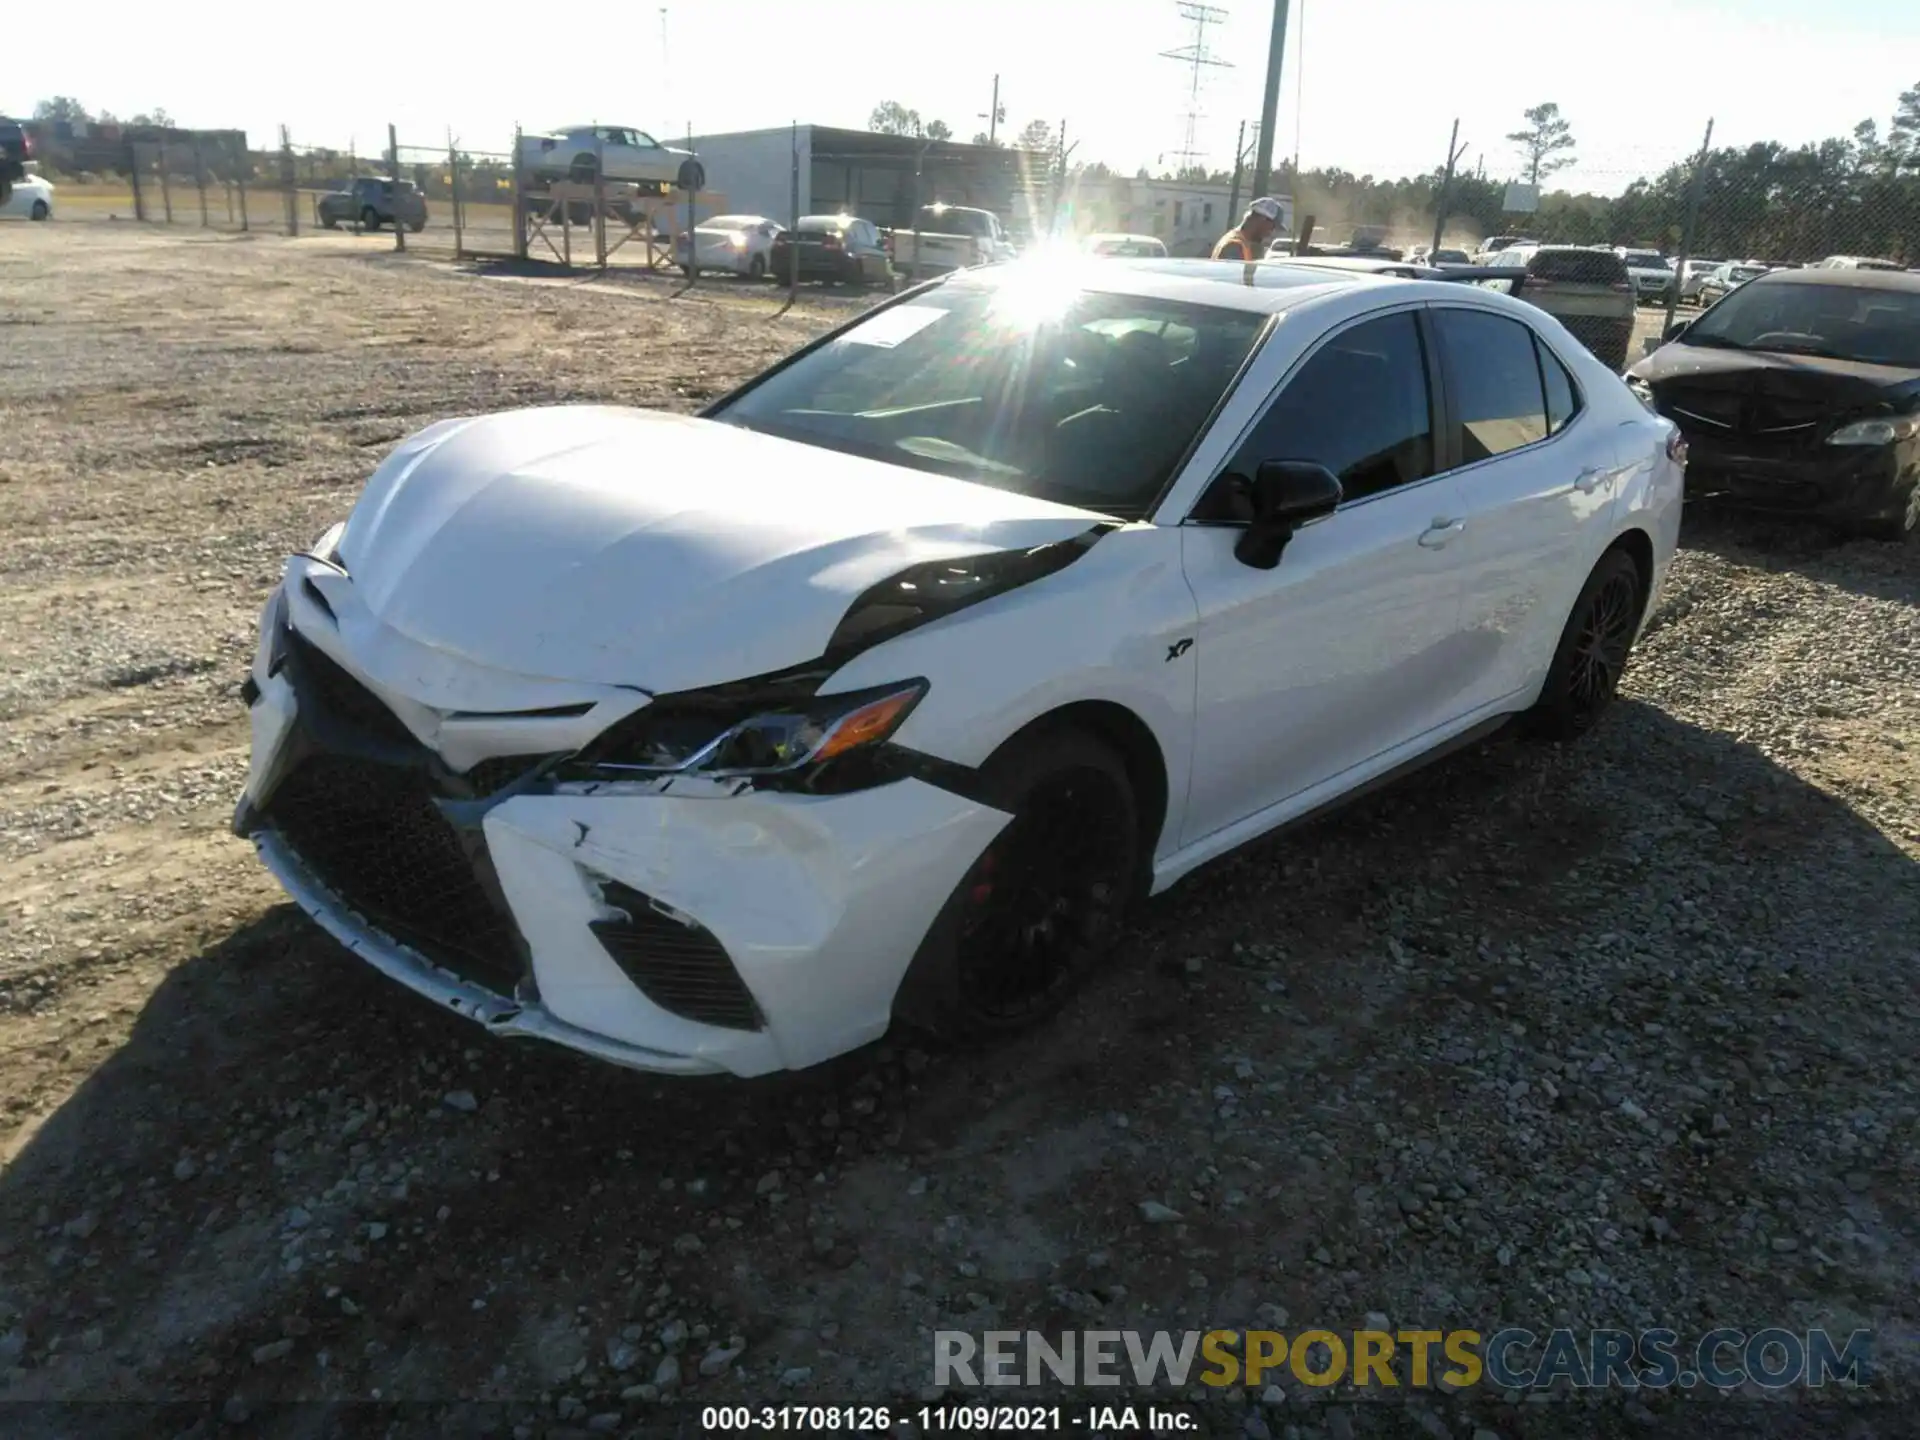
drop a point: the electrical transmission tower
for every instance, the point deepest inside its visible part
(1198, 58)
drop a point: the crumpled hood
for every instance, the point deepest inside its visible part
(607, 545)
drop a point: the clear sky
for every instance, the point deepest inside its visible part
(1382, 83)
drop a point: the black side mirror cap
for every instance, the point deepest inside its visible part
(1286, 494)
(1675, 331)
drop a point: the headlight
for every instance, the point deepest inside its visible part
(1876, 432)
(327, 547)
(682, 736)
(1642, 391)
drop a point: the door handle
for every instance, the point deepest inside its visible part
(1588, 480)
(1441, 531)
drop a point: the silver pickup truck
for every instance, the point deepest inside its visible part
(949, 237)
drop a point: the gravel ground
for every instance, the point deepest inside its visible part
(1625, 1034)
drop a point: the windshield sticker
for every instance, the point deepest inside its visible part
(890, 327)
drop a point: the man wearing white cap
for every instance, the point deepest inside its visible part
(1248, 240)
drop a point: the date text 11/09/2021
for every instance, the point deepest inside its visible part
(971, 1419)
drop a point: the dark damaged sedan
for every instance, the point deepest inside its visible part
(1799, 393)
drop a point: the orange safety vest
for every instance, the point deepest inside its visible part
(1233, 246)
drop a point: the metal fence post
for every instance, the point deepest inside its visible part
(289, 183)
(200, 180)
(793, 235)
(599, 199)
(166, 186)
(459, 216)
(393, 170)
(133, 179)
(519, 201)
(693, 241)
(241, 167)
(1687, 228)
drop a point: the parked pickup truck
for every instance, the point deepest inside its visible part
(617, 152)
(949, 237)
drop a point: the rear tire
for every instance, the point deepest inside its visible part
(40, 211)
(757, 268)
(1042, 903)
(369, 218)
(1592, 654)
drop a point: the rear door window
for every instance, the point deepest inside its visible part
(1493, 377)
(1577, 267)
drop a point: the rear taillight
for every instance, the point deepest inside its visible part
(26, 142)
(1677, 447)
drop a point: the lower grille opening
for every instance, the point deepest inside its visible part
(374, 837)
(682, 968)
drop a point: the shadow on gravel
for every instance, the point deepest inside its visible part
(289, 1149)
(1877, 569)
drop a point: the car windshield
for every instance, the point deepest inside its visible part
(1841, 321)
(1082, 397)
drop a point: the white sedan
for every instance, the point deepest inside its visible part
(736, 244)
(32, 199)
(882, 689)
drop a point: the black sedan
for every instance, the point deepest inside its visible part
(1799, 393)
(843, 249)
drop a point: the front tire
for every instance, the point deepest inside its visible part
(757, 268)
(369, 219)
(1902, 528)
(40, 211)
(1043, 902)
(1592, 654)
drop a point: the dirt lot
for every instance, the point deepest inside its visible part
(1626, 1034)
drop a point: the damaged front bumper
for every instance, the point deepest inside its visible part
(498, 1014)
(682, 927)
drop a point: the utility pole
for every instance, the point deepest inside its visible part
(1270, 102)
(1687, 230)
(1239, 160)
(1454, 152)
(993, 115)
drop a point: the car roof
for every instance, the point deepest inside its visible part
(1265, 287)
(1904, 281)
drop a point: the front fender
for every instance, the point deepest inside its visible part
(1109, 628)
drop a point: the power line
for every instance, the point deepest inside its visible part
(1198, 58)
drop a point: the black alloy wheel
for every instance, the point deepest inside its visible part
(1045, 899)
(1593, 650)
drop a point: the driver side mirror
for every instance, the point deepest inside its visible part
(1674, 331)
(1285, 495)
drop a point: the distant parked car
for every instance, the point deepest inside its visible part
(1134, 245)
(1504, 242)
(1447, 257)
(16, 148)
(1651, 274)
(1855, 262)
(371, 201)
(616, 152)
(1727, 278)
(738, 244)
(840, 249)
(1692, 275)
(32, 199)
(1799, 393)
(1585, 290)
